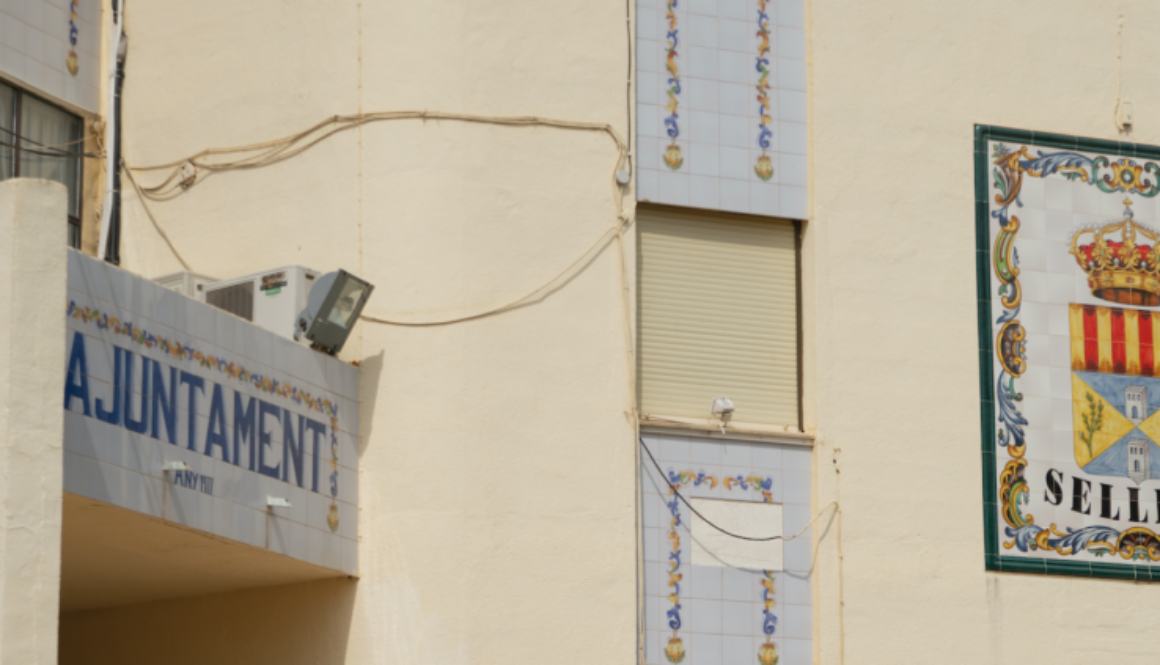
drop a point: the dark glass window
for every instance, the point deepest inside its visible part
(40, 140)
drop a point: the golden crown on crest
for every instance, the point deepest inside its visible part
(1121, 259)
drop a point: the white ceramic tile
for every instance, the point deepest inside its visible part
(702, 30)
(797, 651)
(797, 458)
(704, 616)
(733, 35)
(1032, 254)
(792, 169)
(647, 88)
(648, 58)
(797, 487)
(799, 555)
(701, 95)
(648, 120)
(791, 105)
(14, 8)
(34, 37)
(705, 582)
(703, 160)
(733, 9)
(1057, 195)
(791, 13)
(1059, 261)
(14, 62)
(1111, 206)
(89, 478)
(646, 185)
(702, 62)
(791, 43)
(734, 131)
(764, 199)
(350, 557)
(673, 188)
(791, 74)
(738, 585)
(734, 163)
(733, 67)
(707, 647)
(734, 195)
(792, 137)
(648, 23)
(734, 99)
(798, 621)
(704, 191)
(34, 73)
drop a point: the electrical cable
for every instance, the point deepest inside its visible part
(61, 154)
(271, 152)
(47, 145)
(685, 501)
(281, 149)
(499, 310)
(149, 213)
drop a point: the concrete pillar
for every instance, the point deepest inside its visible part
(33, 296)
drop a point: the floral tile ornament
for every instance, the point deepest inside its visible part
(1090, 510)
(672, 155)
(675, 650)
(764, 166)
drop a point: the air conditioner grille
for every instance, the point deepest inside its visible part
(237, 299)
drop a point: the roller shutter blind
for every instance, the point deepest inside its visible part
(718, 316)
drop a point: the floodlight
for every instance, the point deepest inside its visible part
(723, 408)
(332, 308)
(174, 465)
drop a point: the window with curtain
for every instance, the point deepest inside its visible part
(718, 315)
(40, 140)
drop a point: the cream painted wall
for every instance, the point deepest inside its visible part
(497, 486)
(32, 345)
(896, 90)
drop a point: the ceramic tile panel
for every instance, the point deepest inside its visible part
(721, 105)
(156, 380)
(717, 613)
(1069, 303)
(54, 48)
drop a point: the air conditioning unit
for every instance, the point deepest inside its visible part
(190, 284)
(271, 299)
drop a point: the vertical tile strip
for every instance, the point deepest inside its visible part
(672, 154)
(767, 653)
(71, 62)
(764, 166)
(675, 649)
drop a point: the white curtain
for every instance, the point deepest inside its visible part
(7, 132)
(50, 147)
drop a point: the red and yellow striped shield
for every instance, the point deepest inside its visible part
(1113, 340)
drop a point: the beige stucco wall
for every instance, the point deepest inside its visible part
(897, 88)
(32, 347)
(497, 484)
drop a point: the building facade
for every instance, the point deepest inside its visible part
(668, 294)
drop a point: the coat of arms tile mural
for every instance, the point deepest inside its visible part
(1069, 291)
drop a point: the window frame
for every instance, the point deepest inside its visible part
(798, 228)
(16, 139)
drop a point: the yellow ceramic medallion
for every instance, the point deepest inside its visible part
(764, 168)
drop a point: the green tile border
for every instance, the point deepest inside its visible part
(994, 559)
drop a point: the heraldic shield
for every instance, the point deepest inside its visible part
(1115, 383)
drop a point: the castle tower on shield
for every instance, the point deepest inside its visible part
(1136, 404)
(1139, 457)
